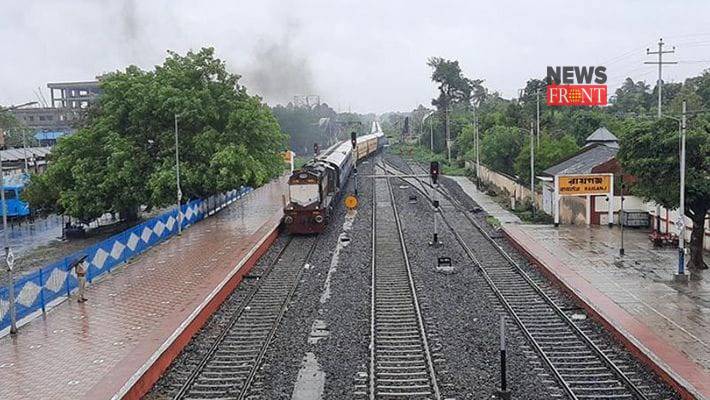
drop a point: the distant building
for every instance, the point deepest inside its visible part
(68, 103)
(48, 139)
(13, 160)
(74, 95)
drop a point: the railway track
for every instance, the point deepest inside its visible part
(229, 367)
(401, 364)
(581, 368)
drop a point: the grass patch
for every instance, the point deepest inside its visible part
(424, 155)
(493, 221)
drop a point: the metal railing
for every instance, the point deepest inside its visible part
(54, 283)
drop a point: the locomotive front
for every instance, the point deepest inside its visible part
(303, 214)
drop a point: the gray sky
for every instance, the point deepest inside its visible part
(367, 55)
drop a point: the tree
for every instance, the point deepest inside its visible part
(454, 88)
(16, 133)
(650, 153)
(124, 157)
(499, 147)
(551, 151)
(633, 97)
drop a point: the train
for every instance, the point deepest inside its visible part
(314, 188)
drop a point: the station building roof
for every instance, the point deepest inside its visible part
(584, 161)
(604, 136)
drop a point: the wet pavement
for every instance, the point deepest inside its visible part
(636, 293)
(92, 350)
(23, 236)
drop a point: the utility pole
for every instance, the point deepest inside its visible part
(177, 177)
(9, 258)
(660, 63)
(681, 205)
(532, 170)
(448, 133)
(24, 148)
(537, 96)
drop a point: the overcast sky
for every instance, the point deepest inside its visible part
(367, 55)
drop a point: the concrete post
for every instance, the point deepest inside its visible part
(611, 202)
(556, 202)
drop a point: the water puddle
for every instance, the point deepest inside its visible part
(311, 380)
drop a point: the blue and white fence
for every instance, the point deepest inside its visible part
(55, 282)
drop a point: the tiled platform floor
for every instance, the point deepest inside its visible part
(636, 293)
(91, 350)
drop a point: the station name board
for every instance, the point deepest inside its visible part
(580, 185)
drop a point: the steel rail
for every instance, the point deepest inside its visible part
(215, 346)
(410, 282)
(579, 333)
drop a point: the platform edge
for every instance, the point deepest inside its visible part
(644, 355)
(143, 380)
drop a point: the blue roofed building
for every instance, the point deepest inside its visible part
(47, 139)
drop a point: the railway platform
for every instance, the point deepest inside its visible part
(667, 324)
(141, 315)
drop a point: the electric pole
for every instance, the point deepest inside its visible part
(660, 63)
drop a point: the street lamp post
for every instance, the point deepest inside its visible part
(532, 170)
(177, 177)
(680, 276)
(681, 205)
(621, 216)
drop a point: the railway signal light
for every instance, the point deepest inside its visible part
(434, 171)
(316, 149)
(353, 139)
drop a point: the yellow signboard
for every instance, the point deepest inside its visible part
(351, 202)
(580, 185)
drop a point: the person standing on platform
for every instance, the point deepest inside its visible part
(81, 267)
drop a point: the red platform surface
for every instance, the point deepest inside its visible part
(664, 324)
(140, 316)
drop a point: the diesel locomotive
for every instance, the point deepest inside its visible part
(315, 187)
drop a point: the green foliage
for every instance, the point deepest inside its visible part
(125, 155)
(17, 134)
(499, 147)
(650, 153)
(550, 152)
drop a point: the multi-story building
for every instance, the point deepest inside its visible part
(69, 101)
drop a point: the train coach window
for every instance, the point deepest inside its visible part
(10, 194)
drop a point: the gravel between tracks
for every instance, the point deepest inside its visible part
(329, 317)
(464, 312)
